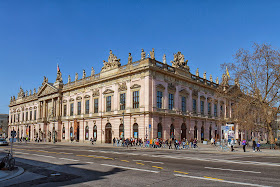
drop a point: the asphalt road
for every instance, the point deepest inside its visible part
(59, 165)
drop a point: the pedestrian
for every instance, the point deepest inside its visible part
(195, 143)
(212, 141)
(258, 146)
(114, 141)
(244, 145)
(232, 144)
(254, 145)
(91, 140)
(170, 144)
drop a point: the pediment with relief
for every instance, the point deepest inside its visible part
(47, 89)
(184, 92)
(108, 91)
(135, 86)
(160, 87)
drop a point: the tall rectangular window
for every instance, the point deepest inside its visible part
(18, 117)
(202, 107)
(79, 108)
(171, 101)
(22, 117)
(221, 110)
(209, 109)
(108, 104)
(87, 107)
(95, 105)
(136, 99)
(184, 108)
(14, 118)
(159, 99)
(71, 109)
(64, 110)
(194, 106)
(122, 101)
(215, 110)
(35, 114)
(26, 116)
(30, 113)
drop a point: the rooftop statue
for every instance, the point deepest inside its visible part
(217, 80)
(30, 92)
(197, 72)
(204, 75)
(58, 75)
(179, 61)
(211, 78)
(152, 53)
(143, 54)
(76, 77)
(84, 74)
(113, 62)
(34, 91)
(26, 93)
(69, 79)
(92, 71)
(45, 80)
(129, 58)
(164, 59)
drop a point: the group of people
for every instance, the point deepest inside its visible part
(254, 145)
(156, 143)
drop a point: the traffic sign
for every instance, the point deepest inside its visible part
(13, 134)
(150, 126)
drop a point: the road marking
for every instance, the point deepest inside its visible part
(48, 156)
(212, 178)
(89, 162)
(66, 153)
(233, 170)
(124, 160)
(82, 155)
(225, 181)
(69, 159)
(180, 172)
(136, 169)
(26, 153)
(148, 161)
(140, 163)
(157, 167)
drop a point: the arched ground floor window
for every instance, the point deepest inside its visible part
(159, 130)
(135, 130)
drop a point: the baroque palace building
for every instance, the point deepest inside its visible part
(142, 99)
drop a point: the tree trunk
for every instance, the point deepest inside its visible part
(270, 134)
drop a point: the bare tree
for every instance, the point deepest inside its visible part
(257, 74)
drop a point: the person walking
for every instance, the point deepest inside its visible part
(232, 144)
(244, 145)
(258, 146)
(254, 145)
(195, 143)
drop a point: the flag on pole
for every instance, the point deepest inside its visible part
(227, 72)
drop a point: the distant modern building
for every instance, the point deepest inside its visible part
(4, 125)
(142, 99)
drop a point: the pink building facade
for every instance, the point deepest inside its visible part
(142, 99)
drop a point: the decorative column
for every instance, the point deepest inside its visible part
(206, 106)
(198, 103)
(44, 109)
(218, 108)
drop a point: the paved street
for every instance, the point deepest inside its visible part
(84, 165)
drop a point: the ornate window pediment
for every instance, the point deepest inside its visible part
(64, 101)
(46, 90)
(95, 93)
(78, 98)
(195, 93)
(160, 87)
(202, 97)
(71, 99)
(184, 92)
(122, 86)
(86, 96)
(171, 87)
(135, 86)
(108, 91)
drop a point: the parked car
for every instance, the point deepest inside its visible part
(3, 141)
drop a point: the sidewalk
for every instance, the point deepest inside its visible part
(7, 175)
(201, 148)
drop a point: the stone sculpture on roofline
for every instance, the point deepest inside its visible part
(113, 62)
(179, 61)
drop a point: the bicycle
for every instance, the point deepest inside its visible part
(9, 161)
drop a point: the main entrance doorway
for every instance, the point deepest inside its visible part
(108, 133)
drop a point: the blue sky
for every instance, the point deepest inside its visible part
(36, 35)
